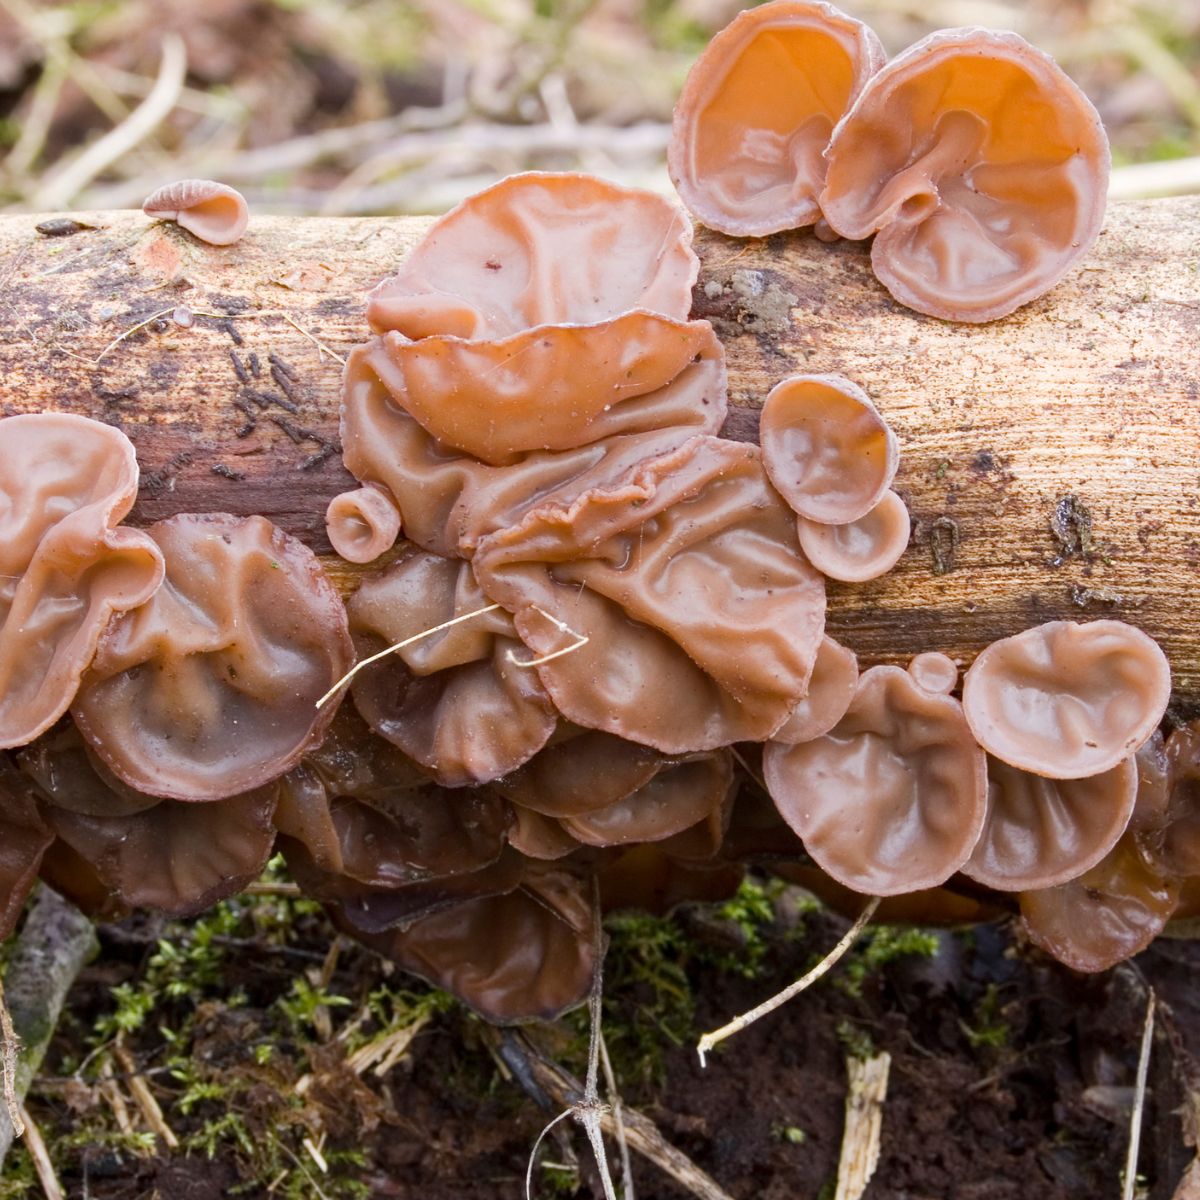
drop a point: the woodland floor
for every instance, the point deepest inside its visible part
(1011, 1076)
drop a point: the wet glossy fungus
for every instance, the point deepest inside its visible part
(214, 212)
(860, 550)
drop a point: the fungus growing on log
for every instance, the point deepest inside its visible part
(65, 566)
(1067, 700)
(827, 449)
(830, 690)
(859, 550)
(541, 249)
(980, 167)
(935, 672)
(892, 799)
(757, 110)
(24, 839)
(213, 212)
(209, 690)
(362, 524)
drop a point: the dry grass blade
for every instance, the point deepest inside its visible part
(1139, 1101)
(9, 1050)
(143, 1097)
(36, 1144)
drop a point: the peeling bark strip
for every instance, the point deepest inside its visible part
(1092, 393)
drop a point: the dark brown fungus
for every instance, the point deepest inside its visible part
(536, 836)
(541, 249)
(557, 387)
(65, 566)
(210, 689)
(755, 115)
(449, 499)
(980, 167)
(649, 879)
(892, 799)
(214, 212)
(702, 618)
(1177, 845)
(826, 448)
(1067, 700)
(935, 672)
(1105, 915)
(830, 690)
(1041, 832)
(862, 549)
(459, 702)
(525, 954)
(362, 524)
(24, 839)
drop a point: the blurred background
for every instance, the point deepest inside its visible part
(406, 106)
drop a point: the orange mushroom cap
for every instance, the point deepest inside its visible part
(214, 212)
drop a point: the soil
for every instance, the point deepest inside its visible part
(1011, 1077)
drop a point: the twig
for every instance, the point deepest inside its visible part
(53, 946)
(1174, 177)
(36, 1145)
(709, 1040)
(868, 1083)
(416, 637)
(320, 345)
(60, 188)
(10, 1048)
(111, 1091)
(143, 1096)
(614, 1100)
(1139, 1100)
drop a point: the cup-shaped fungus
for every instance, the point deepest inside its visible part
(827, 449)
(24, 839)
(830, 690)
(859, 550)
(756, 112)
(892, 799)
(213, 212)
(673, 609)
(1067, 700)
(980, 167)
(210, 689)
(649, 879)
(1041, 832)
(362, 524)
(450, 498)
(1177, 845)
(65, 566)
(541, 249)
(460, 702)
(557, 387)
(935, 672)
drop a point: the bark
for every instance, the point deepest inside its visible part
(1050, 460)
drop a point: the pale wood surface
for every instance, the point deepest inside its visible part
(1092, 392)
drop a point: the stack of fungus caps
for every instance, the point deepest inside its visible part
(979, 166)
(190, 655)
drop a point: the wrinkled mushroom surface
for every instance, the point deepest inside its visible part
(458, 701)
(1041, 832)
(1177, 844)
(450, 499)
(827, 449)
(214, 212)
(541, 249)
(860, 550)
(892, 799)
(1067, 700)
(830, 690)
(210, 689)
(981, 168)
(362, 524)
(65, 566)
(757, 110)
(649, 879)
(702, 618)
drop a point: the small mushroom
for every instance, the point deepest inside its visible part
(756, 112)
(541, 249)
(827, 449)
(459, 702)
(558, 387)
(213, 212)
(702, 619)
(362, 524)
(981, 168)
(66, 567)
(862, 549)
(1042, 832)
(1067, 700)
(830, 690)
(893, 798)
(935, 672)
(210, 689)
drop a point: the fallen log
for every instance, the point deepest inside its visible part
(1051, 461)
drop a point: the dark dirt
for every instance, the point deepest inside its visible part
(1011, 1077)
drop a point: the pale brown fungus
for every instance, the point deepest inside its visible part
(213, 212)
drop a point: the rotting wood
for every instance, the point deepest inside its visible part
(1090, 396)
(867, 1084)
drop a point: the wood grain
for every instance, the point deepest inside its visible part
(1082, 408)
